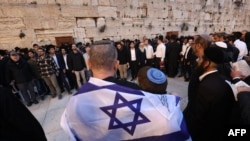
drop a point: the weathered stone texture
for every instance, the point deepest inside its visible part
(11, 23)
(86, 22)
(106, 11)
(66, 22)
(84, 19)
(79, 11)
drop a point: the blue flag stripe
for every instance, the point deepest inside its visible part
(87, 87)
(181, 135)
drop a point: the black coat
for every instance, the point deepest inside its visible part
(209, 109)
(76, 61)
(136, 54)
(3, 63)
(173, 50)
(122, 56)
(60, 60)
(16, 121)
(244, 107)
(19, 71)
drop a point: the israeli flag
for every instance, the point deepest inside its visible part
(104, 111)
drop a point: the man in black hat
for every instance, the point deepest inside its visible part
(19, 72)
(172, 56)
(209, 109)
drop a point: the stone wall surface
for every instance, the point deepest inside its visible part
(43, 20)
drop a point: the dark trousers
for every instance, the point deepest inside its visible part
(72, 79)
(187, 70)
(157, 62)
(24, 88)
(134, 69)
(41, 86)
(62, 81)
(150, 62)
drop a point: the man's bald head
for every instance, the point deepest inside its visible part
(103, 55)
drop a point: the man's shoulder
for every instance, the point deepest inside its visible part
(122, 83)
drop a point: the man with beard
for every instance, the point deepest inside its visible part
(18, 72)
(209, 107)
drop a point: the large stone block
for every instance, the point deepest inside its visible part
(132, 12)
(32, 22)
(11, 23)
(2, 14)
(79, 33)
(66, 22)
(104, 2)
(113, 22)
(74, 2)
(158, 13)
(118, 3)
(127, 21)
(12, 11)
(107, 11)
(48, 23)
(16, 1)
(9, 36)
(80, 11)
(138, 21)
(86, 22)
(31, 11)
(49, 11)
(61, 2)
(91, 32)
(94, 2)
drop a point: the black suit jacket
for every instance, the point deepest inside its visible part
(137, 54)
(209, 109)
(60, 60)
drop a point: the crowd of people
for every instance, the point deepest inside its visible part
(203, 60)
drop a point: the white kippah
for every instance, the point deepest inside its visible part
(221, 44)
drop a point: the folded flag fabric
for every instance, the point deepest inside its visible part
(104, 111)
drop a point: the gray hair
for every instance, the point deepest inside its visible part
(103, 55)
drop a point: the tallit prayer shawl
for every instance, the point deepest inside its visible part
(104, 111)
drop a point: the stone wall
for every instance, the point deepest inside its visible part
(43, 20)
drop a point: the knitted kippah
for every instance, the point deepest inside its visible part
(156, 76)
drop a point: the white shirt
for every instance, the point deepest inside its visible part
(86, 58)
(160, 51)
(65, 60)
(242, 48)
(187, 50)
(149, 52)
(133, 56)
(55, 59)
(184, 48)
(205, 74)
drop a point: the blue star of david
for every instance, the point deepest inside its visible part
(134, 105)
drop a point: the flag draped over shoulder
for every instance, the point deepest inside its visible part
(104, 111)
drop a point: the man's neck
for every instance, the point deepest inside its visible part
(210, 69)
(102, 74)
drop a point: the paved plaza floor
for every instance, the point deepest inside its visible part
(48, 112)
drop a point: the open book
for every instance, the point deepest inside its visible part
(242, 66)
(234, 87)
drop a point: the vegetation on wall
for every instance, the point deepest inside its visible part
(21, 35)
(102, 28)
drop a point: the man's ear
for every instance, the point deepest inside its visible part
(89, 64)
